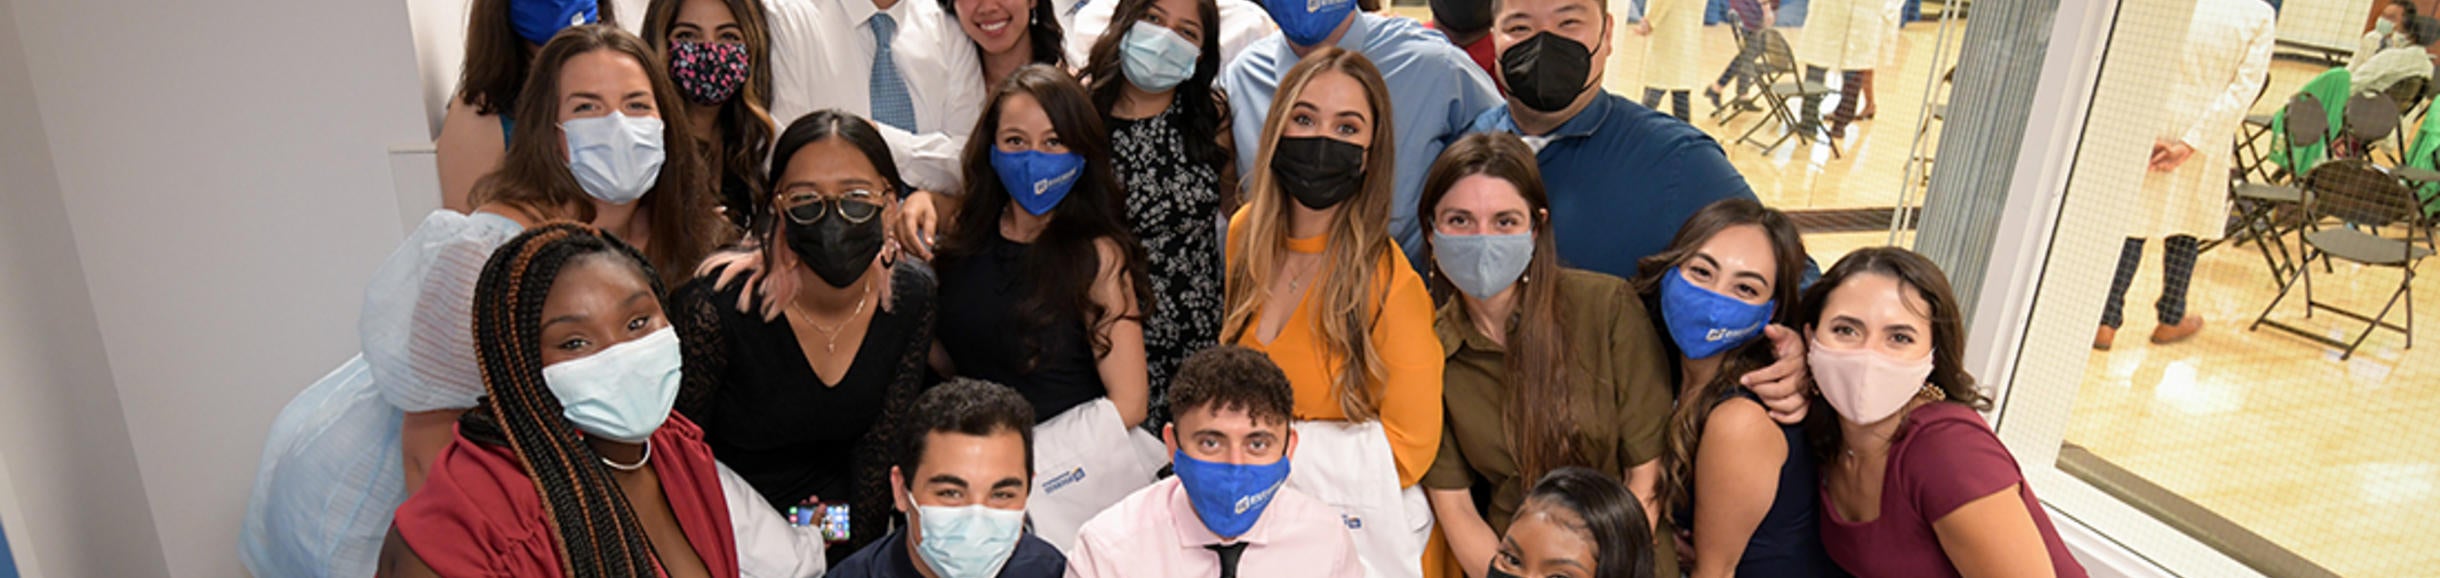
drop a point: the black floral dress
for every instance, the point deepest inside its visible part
(1174, 203)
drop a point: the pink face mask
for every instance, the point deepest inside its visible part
(1863, 385)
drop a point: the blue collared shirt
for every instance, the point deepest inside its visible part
(1623, 179)
(1435, 91)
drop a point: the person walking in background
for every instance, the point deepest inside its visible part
(1675, 29)
(1751, 17)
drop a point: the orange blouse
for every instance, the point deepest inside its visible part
(1410, 352)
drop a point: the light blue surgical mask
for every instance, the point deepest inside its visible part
(1036, 179)
(1705, 323)
(968, 541)
(1156, 58)
(1482, 265)
(622, 393)
(1228, 497)
(616, 158)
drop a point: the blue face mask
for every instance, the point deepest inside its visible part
(1705, 323)
(968, 541)
(1156, 58)
(1036, 179)
(1308, 22)
(1229, 497)
(538, 20)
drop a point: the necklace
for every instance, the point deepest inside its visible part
(831, 333)
(639, 462)
(1296, 284)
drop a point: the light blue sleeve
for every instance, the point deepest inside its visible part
(329, 480)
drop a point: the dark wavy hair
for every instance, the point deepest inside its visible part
(596, 531)
(1612, 518)
(497, 59)
(744, 122)
(1063, 262)
(1919, 274)
(1042, 31)
(1202, 107)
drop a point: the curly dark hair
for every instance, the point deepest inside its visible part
(967, 406)
(1231, 377)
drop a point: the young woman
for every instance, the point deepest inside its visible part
(572, 465)
(501, 39)
(1042, 289)
(1546, 366)
(1577, 523)
(1005, 44)
(1315, 281)
(592, 146)
(802, 347)
(1914, 482)
(1152, 82)
(719, 54)
(1733, 269)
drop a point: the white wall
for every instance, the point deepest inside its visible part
(222, 179)
(2337, 23)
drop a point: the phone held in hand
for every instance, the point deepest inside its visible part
(831, 518)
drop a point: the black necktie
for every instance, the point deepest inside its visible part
(1228, 557)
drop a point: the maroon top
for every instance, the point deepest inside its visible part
(478, 514)
(1944, 457)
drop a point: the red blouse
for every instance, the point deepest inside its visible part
(478, 513)
(1945, 456)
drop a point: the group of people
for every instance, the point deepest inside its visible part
(1332, 305)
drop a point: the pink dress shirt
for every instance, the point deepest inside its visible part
(1154, 532)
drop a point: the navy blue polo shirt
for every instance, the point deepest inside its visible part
(1622, 179)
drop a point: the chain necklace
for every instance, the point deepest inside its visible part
(831, 333)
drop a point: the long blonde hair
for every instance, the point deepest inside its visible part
(1354, 282)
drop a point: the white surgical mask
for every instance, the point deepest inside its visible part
(616, 157)
(968, 541)
(622, 393)
(1156, 58)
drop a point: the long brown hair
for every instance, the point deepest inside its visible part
(1354, 276)
(1063, 262)
(1539, 421)
(745, 123)
(1203, 108)
(497, 59)
(1693, 412)
(1948, 331)
(595, 529)
(534, 177)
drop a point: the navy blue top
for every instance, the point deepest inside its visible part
(1788, 542)
(1623, 179)
(888, 558)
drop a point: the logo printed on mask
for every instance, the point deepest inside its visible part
(1249, 502)
(1704, 323)
(1737, 335)
(1048, 175)
(1228, 498)
(1063, 181)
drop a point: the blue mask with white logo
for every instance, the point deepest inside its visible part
(538, 20)
(1229, 497)
(1705, 323)
(1308, 22)
(1036, 179)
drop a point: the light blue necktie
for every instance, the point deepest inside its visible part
(891, 105)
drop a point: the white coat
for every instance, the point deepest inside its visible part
(1842, 34)
(1672, 53)
(2225, 60)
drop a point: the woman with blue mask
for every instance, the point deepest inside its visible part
(1042, 289)
(501, 39)
(1547, 367)
(592, 146)
(1739, 486)
(1152, 82)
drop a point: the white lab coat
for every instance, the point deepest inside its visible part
(1842, 34)
(2225, 60)
(1672, 54)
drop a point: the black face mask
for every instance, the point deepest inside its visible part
(1494, 572)
(1461, 17)
(1547, 72)
(1320, 172)
(836, 249)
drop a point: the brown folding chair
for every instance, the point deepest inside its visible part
(2367, 200)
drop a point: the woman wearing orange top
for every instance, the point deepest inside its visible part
(1315, 281)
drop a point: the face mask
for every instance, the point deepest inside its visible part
(1864, 386)
(1705, 323)
(1482, 265)
(538, 20)
(1546, 72)
(1229, 497)
(1156, 58)
(968, 541)
(709, 73)
(1495, 572)
(617, 157)
(622, 393)
(1319, 171)
(834, 247)
(1308, 22)
(1461, 16)
(1038, 180)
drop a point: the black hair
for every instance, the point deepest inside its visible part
(1042, 31)
(965, 406)
(1612, 518)
(818, 126)
(1230, 377)
(1202, 107)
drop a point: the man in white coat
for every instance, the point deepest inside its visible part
(2225, 60)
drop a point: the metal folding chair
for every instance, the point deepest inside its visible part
(1734, 107)
(2267, 211)
(2368, 200)
(1781, 82)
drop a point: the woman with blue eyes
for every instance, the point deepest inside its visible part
(1043, 289)
(1738, 486)
(1315, 282)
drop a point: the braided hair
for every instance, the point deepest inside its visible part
(598, 534)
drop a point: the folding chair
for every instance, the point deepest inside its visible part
(1737, 106)
(2358, 193)
(2251, 165)
(1780, 81)
(2265, 210)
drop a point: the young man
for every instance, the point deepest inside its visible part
(965, 458)
(1434, 89)
(1229, 512)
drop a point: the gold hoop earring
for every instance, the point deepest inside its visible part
(1933, 392)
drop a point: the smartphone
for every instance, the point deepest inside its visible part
(831, 518)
